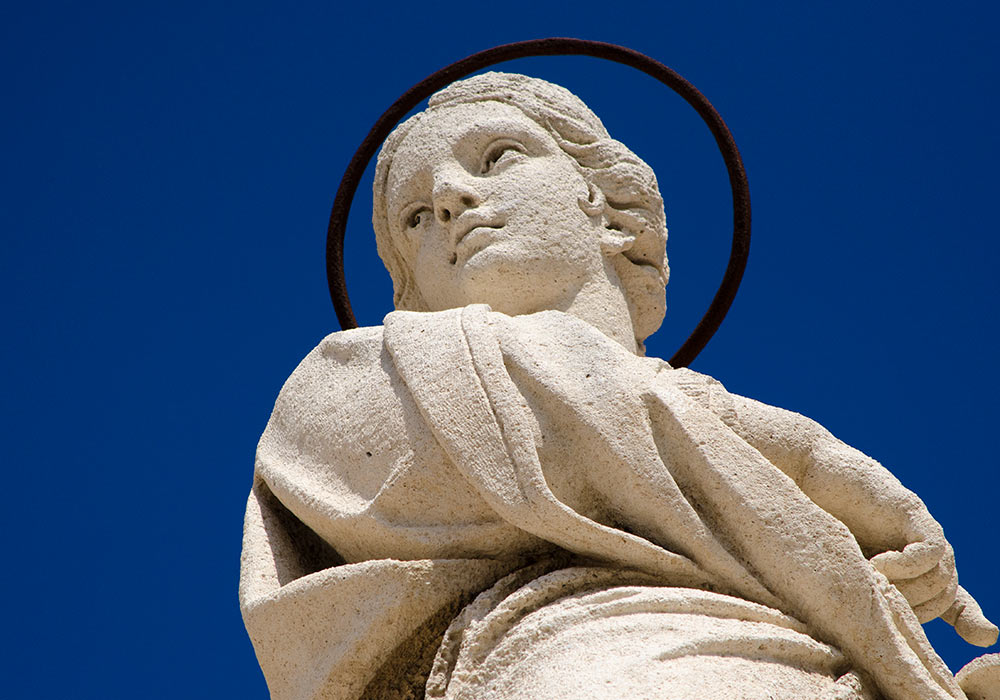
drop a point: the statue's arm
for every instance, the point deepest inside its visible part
(881, 513)
(891, 523)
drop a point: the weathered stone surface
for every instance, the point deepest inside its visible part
(980, 678)
(495, 495)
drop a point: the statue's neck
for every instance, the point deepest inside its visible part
(601, 303)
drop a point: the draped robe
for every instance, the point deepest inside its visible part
(408, 467)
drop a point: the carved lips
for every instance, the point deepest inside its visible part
(472, 230)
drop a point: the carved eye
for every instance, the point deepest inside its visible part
(499, 152)
(418, 216)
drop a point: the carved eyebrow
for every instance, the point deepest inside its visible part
(410, 192)
(495, 130)
(499, 145)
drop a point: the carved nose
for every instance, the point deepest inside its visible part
(451, 198)
(446, 213)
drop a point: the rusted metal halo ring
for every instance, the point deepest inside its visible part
(556, 46)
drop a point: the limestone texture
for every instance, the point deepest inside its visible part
(980, 678)
(496, 495)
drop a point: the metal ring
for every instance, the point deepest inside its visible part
(556, 46)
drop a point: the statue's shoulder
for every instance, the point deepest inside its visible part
(356, 347)
(340, 360)
(347, 374)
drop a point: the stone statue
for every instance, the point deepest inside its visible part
(496, 495)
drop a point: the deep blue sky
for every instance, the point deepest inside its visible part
(167, 173)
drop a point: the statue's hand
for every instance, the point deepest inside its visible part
(924, 572)
(967, 618)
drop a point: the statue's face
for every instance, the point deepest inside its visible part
(486, 208)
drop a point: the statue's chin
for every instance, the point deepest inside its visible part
(516, 283)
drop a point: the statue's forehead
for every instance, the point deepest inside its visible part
(458, 131)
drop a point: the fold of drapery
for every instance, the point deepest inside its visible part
(327, 632)
(779, 547)
(464, 486)
(656, 642)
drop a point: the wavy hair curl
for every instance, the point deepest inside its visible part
(633, 204)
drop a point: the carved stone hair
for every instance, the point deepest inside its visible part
(633, 202)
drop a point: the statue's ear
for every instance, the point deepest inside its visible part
(614, 241)
(594, 203)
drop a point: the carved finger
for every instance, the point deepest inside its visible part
(939, 604)
(967, 618)
(923, 588)
(915, 559)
